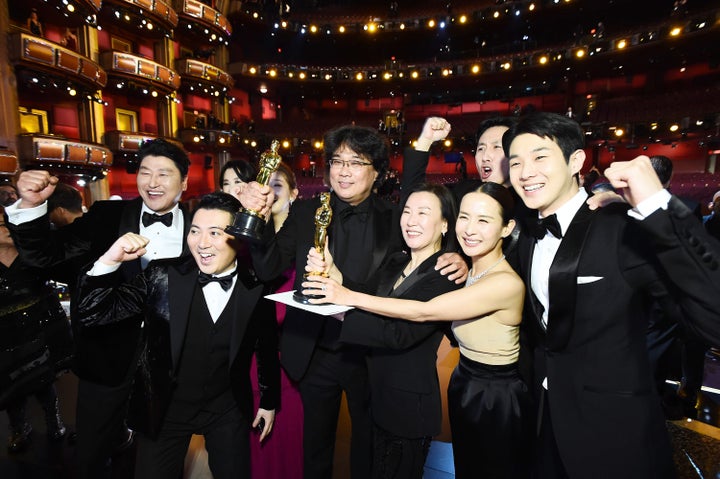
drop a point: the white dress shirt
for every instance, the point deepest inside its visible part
(165, 241)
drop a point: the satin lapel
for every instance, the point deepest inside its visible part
(425, 268)
(526, 249)
(383, 229)
(562, 283)
(244, 303)
(391, 273)
(130, 223)
(186, 228)
(181, 287)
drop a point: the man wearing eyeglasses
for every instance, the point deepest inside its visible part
(364, 230)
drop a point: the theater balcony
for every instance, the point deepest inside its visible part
(8, 162)
(37, 59)
(63, 156)
(124, 146)
(203, 21)
(155, 18)
(203, 78)
(202, 139)
(129, 71)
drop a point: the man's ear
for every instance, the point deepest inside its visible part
(576, 162)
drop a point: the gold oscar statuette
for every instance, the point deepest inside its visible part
(250, 224)
(323, 217)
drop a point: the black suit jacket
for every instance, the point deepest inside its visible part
(608, 270)
(405, 393)
(66, 251)
(161, 297)
(289, 246)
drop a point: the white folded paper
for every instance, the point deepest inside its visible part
(322, 309)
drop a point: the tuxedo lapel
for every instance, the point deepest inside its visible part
(244, 302)
(391, 272)
(181, 287)
(417, 276)
(130, 223)
(562, 282)
(526, 249)
(383, 218)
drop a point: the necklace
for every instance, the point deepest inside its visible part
(473, 279)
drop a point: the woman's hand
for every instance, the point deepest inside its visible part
(330, 291)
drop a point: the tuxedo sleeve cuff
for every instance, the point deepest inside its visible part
(650, 205)
(18, 216)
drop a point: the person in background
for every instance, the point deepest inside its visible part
(36, 343)
(489, 405)
(65, 205)
(70, 40)
(234, 175)
(363, 232)
(712, 220)
(201, 331)
(281, 456)
(8, 193)
(33, 23)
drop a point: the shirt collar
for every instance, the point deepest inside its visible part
(567, 212)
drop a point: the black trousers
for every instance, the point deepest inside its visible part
(227, 441)
(398, 457)
(100, 425)
(329, 374)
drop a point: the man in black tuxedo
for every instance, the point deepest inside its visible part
(591, 276)
(104, 378)
(200, 333)
(363, 232)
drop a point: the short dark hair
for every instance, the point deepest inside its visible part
(448, 210)
(363, 141)
(663, 167)
(65, 196)
(502, 195)
(564, 131)
(243, 169)
(163, 147)
(507, 121)
(218, 200)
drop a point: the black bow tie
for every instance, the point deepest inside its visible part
(550, 225)
(150, 218)
(225, 281)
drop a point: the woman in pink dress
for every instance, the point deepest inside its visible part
(280, 455)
